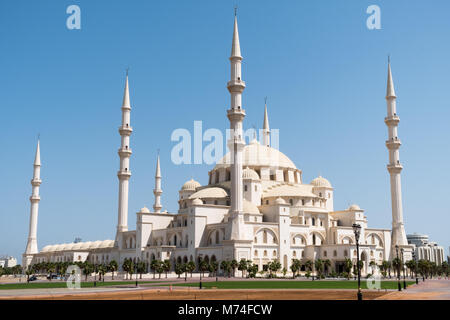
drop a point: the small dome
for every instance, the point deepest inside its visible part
(144, 210)
(210, 193)
(77, 246)
(250, 207)
(280, 201)
(95, 245)
(107, 244)
(46, 248)
(190, 185)
(354, 207)
(197, 202)
(321, 182)
(249, 174)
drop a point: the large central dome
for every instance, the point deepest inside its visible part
(257, 155)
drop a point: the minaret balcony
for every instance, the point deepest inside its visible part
(124, 173)
(36, 182)
(393, 144)
(392, 120)
(124, 152)
(125, 131)
(394, 168)
(236, 85)
(34, 198)
(236, 114)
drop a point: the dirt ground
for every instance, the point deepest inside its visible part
(211, 294)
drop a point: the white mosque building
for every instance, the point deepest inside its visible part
(256, 206)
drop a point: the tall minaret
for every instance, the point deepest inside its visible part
(34, 199)
(124, 172)
(266, 129)
(394, 167)
(157, 191)
(236, 143)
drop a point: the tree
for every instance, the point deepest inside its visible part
(166, 266)
(252, 270)
(190, 267)
(113, 266)
(213, 267)
(274, 266)
(234, 264)
(142, 267)
(397, 265)
(160, 268)
(319, 267)
(327, 265)
(87, 269)
(154, 266)
(102, 269)
(411, 265)
(243, 266)
(348, 265)
(309, 265)
(295, 267)
(204, 266)
(179, 269)
(224, 266)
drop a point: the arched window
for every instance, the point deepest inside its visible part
(256, 239)
(334, 253)
(245, 188)
(320, 194)
(325, 253)
(294, 254)
(256, 253)
(265, 253)
(313, 221)
(291, 202)
(265, 236)
(314, 239)
(274, 253)
(217, 237)
(345, 253)
(175, 240)
(303, 202)
(215, 202)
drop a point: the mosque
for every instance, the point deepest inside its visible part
(256, 206)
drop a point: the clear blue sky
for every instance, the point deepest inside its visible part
(322, 69)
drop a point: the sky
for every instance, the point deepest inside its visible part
(323, 71)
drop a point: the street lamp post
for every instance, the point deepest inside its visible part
(403, 268)
(415, 266)
(398, 269)
(136, 270)
(357, 231)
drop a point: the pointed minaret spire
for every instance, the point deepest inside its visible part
(390, 91)
(31, 248)
(157, 191)
(37, 157)
(126, 94)
(235, 47)
(124, 172)
(266, 129)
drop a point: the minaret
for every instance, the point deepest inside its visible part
(266, 129)
(124, 172)
(157, 191)
(394, 167)
(236, 143)
(34, 199)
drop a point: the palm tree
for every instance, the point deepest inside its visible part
(203, 267)
(295, 267)
(411, 265)
(348, 265)
(113, 266)
(224, 266)
(234, 264)
(243, 266)
(87, 269)
(397, 264)
(319, 268)
(372, 265)
(327, 265)
(309, 265)
(274, 266)
(213, 266)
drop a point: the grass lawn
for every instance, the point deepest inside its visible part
(293, 284)
(62, 284)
